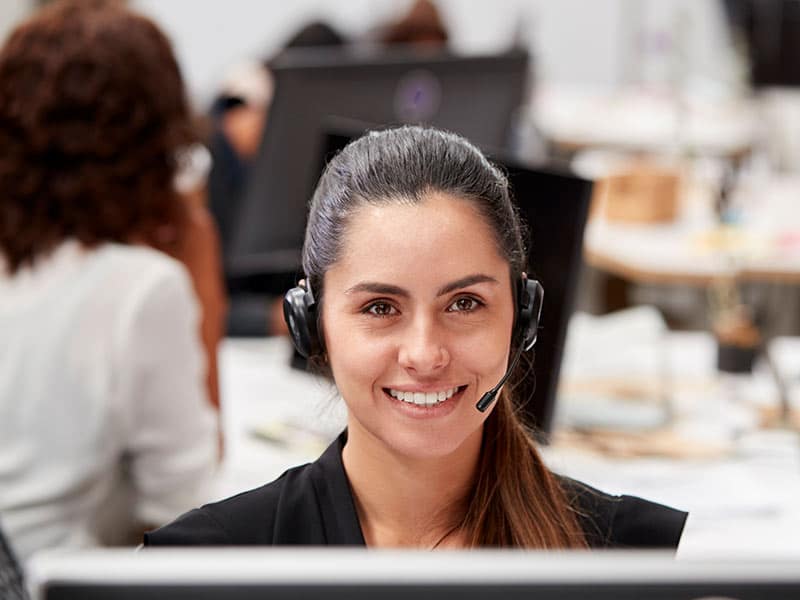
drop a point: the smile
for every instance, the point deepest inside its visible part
(424, 398)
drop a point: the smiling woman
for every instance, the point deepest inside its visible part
(416, 302)
(398, 336)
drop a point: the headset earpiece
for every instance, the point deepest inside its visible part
(529, 295)
(529, 310)
(300, 314)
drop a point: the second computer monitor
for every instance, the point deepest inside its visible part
(475, 96)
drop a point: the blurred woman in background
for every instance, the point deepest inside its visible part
(107, 361)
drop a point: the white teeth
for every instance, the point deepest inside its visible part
(421, 398)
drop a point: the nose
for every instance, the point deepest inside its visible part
(423, 348)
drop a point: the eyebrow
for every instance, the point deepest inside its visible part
(465, 282)
(375, 287)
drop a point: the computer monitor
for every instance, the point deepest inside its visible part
(355, 574)
(554, 204)
(770, 30)
(476, 96)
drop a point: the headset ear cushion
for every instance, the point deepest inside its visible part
(300, 320)
(530, 311)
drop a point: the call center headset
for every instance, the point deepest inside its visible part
(300, 313)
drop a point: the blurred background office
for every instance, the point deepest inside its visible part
(675, 351)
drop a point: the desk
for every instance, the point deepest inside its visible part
(763, 245)
(260, 390)
(637, 121)
(746, 503)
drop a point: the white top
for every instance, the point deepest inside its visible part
(103, 407)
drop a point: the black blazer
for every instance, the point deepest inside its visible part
(313, 505)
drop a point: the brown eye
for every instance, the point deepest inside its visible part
(380, 309)
(464, 304)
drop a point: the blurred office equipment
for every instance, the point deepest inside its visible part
(332, 574)
(759, 244)
(770, 32)
(555, 206)
(381, 88)
(640, 121)
(766, 37)
(752, 244)
(626, 390)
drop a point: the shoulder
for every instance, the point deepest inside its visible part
(150, 293)
(271, 514)
(623, 521)
(151, 267)
(130, 276)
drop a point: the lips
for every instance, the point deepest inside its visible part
(431, 398)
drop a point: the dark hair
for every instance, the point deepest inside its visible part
(421, 24)
(404, 165)
(313, 35)
(92, 112)
(516, 501)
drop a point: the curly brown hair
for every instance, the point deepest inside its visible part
(92, 112)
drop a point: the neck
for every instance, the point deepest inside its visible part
(407, 501)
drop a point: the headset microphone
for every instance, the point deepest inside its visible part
(529, 308)
(487, 399)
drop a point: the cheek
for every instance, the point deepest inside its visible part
(484, 354)
(354, 358)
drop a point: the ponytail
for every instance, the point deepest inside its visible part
(517, 502)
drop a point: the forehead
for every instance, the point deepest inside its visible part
(441, 237)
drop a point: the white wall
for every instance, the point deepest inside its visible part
(211, 36)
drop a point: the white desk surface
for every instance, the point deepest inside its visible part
(612, 126)
(745, 503)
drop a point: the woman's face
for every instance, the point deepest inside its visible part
(417, 318)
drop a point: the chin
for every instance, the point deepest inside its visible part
(428, 443)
